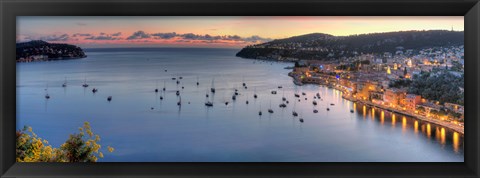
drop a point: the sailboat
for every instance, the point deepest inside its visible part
(212, 89)
(255, 93)
(260, 112)
(156, 89)
(294, 113)
(198, 83)
(283, 95)
(164, 85)
(109, 98)
(243, 81)
(46, 93)
(270, 110)
(179, 103)
(208, 103)
(65, 83)
(85, 83)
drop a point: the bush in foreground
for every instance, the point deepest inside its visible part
(80, 147)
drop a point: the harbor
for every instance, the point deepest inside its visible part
(225, 107)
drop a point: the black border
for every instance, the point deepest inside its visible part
(9, 9)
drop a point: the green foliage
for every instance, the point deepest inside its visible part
(400, 83)
(440, 85)
(80, 147)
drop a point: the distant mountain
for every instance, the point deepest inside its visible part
(325, 46)
(39, 50)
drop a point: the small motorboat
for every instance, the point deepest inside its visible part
(47, 96)
(109, 98)
(234, 97)
(303, 93)
(274, 92)
(177, 93)
(301, 120)
(314, 102)
(351, 110)
(255, 95)
(328, 109)
(94, 90)
(282, 105)
(315, 111)
(270, 111)
(294, 114)
(297, 95)
(331, 104)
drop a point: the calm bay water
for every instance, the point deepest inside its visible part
(222, 133)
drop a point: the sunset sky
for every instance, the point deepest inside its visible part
(229, 32)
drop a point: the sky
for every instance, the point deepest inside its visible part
(213, 31)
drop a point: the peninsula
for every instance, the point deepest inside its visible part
(39, 50)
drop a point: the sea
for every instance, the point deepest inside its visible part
(142, 127)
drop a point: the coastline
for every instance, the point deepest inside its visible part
(50, 59)
(448, 125)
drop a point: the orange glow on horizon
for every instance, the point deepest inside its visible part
(268, 27)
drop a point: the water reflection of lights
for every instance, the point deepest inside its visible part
(429, 131)
(415, 127)
(393, 120)
(364, 111)
(404, 124)
(442, 136)
(382, 117)
(373, 113)
(456, 141)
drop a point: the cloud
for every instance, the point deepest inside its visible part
(81, 34)
(103, 37)
(188, 37)
(63, 37)
(164, 35)
(256, 39)
(139, 35)
(117, 34)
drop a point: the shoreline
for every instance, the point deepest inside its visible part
(448, 125)
(50, 59)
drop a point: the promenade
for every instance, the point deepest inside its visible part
(446, 124)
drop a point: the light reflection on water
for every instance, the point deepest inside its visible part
(225, 133)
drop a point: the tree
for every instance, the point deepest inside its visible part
(80, 147)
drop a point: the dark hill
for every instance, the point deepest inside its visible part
(38, 50)
(324, 46)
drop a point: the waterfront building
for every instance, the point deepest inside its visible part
(394, 97)
(455, 107)
(411, 101)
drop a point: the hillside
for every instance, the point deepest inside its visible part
(43, 51)
(324, 46)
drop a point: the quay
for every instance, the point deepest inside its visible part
(460, 129)
(449, 125)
